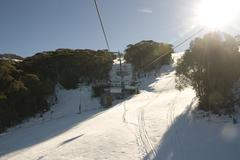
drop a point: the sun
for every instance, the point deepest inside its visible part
(216, 14)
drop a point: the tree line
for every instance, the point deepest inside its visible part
(144, 55)
(25, 85)
(11, 56)
(212, 67)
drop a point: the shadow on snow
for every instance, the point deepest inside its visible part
(192, 138)
(28, 136)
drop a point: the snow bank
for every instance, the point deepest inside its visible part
(67, 104)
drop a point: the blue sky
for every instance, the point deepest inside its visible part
(31, 26)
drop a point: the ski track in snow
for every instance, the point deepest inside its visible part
(144, 136)
(171, 117)
(151, 153)
(146, 148)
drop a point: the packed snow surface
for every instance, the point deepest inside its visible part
(159, 123)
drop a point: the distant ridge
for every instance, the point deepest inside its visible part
(10, 56)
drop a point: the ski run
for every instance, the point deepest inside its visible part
(159, 123)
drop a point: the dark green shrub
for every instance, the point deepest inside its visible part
(211, 66)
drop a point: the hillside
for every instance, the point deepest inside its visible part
(26, 86)
(11, 56)
(158, 123)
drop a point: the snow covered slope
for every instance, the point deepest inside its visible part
(158, 123)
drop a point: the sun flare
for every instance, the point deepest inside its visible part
(218, 13)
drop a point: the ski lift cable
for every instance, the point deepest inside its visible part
(102, 26)
(176, 46)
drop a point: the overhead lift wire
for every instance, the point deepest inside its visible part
(102, 26)
(176, 46)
